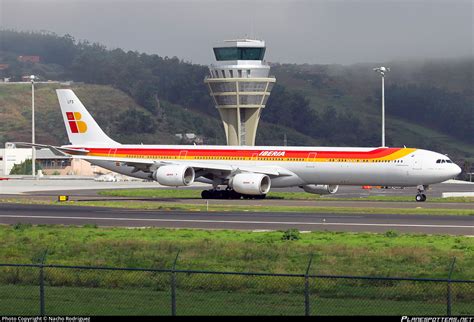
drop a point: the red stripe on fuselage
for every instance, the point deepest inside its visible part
(376, 153)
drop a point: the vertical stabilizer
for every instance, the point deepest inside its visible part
(82, 129)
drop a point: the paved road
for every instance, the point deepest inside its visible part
(71, 215)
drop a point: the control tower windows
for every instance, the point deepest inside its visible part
(223, 87)
(252, 86)
(252, 53)
(226, 100)
(239, 53)
(250, 99)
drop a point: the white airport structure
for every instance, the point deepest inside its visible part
(240, 85)
(11, 156)
(50, 164)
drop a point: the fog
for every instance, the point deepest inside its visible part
(315, 32)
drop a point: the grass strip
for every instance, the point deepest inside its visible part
(196, 194)
(335, 253)
(79, 301)
(170, 206)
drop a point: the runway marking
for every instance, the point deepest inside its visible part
(227, 213)
(236, 221)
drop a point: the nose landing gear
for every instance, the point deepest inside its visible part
(421, 197)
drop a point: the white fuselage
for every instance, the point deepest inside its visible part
(315, 165)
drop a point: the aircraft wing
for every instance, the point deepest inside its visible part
(152, 165)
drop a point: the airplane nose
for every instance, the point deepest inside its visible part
(457, 170)
(454, 170)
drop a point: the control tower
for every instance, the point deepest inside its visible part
(240, 86)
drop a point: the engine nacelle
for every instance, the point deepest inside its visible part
(174, 175)
(320, 189)
(251, 183)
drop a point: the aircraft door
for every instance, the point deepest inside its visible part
(311, 158)
(112, 152)
(183, 154)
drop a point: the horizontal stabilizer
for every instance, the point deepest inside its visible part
(57, 150)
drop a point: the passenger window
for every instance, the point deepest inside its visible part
(438, 161)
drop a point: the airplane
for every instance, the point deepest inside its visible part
(249, 171)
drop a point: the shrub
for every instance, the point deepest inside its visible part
(291, 234)
(90, 226)
(391, 233)
(22, 226)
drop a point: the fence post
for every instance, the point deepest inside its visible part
(173, 286)
(448, 313)
(307, 304)
(42, 303)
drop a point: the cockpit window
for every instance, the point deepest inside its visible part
(443, 161)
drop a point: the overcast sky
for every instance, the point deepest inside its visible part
(298, 31)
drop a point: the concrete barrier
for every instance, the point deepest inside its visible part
(457, 194)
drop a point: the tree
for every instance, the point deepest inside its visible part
(24, 168)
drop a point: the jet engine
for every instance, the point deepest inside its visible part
(251, 183)
(320, 189)
(174, 175)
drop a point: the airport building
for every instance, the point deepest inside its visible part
(240, 85)
(11, 156)
(50, 164)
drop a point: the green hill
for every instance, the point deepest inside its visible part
(436, 115)
(145, 98)
(117, 113)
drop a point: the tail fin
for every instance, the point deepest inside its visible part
(82, 129)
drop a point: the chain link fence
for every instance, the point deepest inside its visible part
(72, 290)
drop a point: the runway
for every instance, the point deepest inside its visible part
(76, 215)
(90, 188)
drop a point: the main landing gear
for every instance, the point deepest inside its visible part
(227, 194)
(420, 197)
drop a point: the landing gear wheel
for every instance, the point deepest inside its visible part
(420, 197)
(220, 194)
(234, 195)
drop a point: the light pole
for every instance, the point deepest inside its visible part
(382, 70)
(33, 154)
